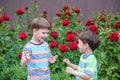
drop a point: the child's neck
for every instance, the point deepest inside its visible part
(88, 52)
(35, 41)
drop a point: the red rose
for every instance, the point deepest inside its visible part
(71, 32)
(45, 12)
(5, 17)
(50, 23)
(76, 10)
(29, 25)
(23, 35)
(65, 7)
(70, 37)
(1, 20)
(19, 11)
(89, 22)
(54, 34)
(53, 44)
(58, 14)
(63, 48)
(102, 19)
(117, 24)
(93, 28)
(73, 45)
(26, 8)
(65, 22)
(20, 55)
(67, 13)
(114, 36)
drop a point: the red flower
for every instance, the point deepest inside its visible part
(70, 37)
(65, 22)
(54, 34)
(114, 36)
(63, 48)
(5, 17)
(65, 7)
(45, 12)
(58, 14)
(67, 13)
(26, 8)
(93, 28)
(117, 24)
(29, 25)
(73, 45)
(89, 22)
(23, 35)
(1, 20)
(20, 55)
(50, 23)
(19, 11)
(53, 44)
(102, 19)
(76, 10)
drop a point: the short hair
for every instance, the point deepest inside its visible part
(90, 38)
(38, 23)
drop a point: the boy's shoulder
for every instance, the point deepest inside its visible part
(45, 43)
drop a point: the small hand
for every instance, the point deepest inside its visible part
(70, 70)
(67, 61)
(27, 55)
(53, 59)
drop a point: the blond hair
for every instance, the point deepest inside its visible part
(38, 23)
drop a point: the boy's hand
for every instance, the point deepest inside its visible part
(70, 70)
(27, 55)
(67, 61)
(53, 59)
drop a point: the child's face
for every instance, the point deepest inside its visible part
(41, 34)
(81, 46)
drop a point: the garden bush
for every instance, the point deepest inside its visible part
(62, 40)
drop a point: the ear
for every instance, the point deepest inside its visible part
(86, 45)
(34, 31)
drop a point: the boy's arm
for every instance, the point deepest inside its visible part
(52, 59)
(78, 74)
(24, 61)
(67, 61)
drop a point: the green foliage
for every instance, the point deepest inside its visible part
(107, 54)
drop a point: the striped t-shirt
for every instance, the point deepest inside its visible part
(38, 64)
(88, 65)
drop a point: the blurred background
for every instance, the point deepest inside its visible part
(87, 7)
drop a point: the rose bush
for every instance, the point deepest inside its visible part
(62, 40)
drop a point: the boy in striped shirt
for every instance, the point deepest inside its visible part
(87, 68)
(36, 53)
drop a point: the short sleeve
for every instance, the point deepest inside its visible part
(91, 67)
